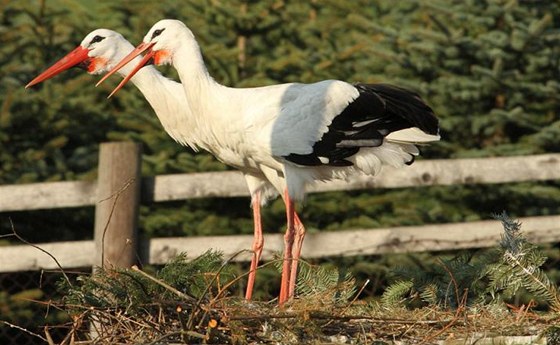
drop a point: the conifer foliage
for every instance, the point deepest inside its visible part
(496, 276)
(520, 267)
(491, 69)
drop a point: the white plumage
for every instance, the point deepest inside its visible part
(284, 137)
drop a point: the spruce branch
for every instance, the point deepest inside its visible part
(325, 283)
(522, 260)
(396, 294)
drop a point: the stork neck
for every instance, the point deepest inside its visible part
(168, 100)
(151, 83)
(200, 87)
(207, 99)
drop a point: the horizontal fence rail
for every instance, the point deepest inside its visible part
(105, 193)
(158, 251)
(232, 184)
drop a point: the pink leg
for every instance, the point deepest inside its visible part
(258, 243)
(299, 236)
(288, 244)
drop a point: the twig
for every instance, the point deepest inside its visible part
(322, 316)
(453, 281)
(353, 300)
(226, 286)
(23, 329)
(76, 324)
(120, 191)
(356, 297)
(428, 339)
(48, 336)
(165, 285)
(412, 326)
(172, 334)
(116, 195)
(461, 303)
(209, 286)
(14, 233)
(163, 337)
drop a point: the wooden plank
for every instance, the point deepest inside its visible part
(364, 242)
(116, 211)
(231, 183)
(485, 339)
(426, 238)
(26, 258)
(199, 185)
(421, 173)
(340, 243)
(456, 172)
(47, 195)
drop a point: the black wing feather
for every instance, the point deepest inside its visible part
(380, 109)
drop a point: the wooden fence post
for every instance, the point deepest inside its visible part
(117, 204)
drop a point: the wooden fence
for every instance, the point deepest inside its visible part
(120, 190)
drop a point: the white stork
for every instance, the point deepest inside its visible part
(99, 52)
(283, 137)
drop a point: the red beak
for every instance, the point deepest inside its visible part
(71, 59)
(142, 47)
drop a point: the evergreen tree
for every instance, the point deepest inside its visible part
(489, 68)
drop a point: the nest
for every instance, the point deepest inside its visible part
(232, 321)
(185, 304)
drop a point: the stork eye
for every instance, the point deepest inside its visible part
(97, 39)
(157, 33)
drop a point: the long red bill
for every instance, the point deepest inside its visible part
(71, 59)
(142, 47)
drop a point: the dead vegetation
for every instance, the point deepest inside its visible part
(134, 307)
(234, 321)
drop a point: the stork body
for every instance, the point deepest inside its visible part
(284, 137)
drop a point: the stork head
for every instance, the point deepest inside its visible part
(159, 46)
(100, 50)
(163, 39)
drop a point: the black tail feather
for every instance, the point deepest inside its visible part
(405, 104)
